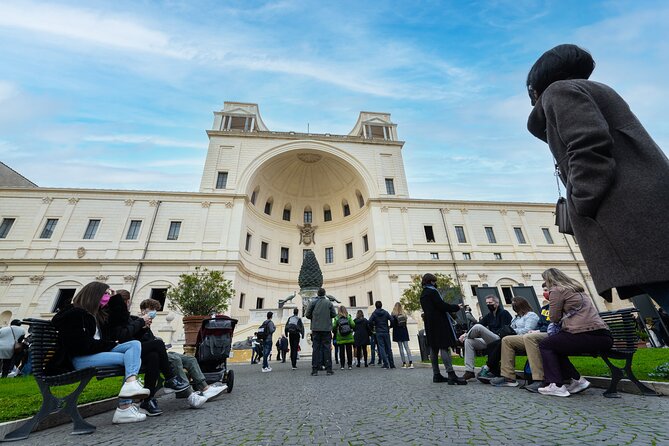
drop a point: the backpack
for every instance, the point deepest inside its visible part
(344, 326)
(291, 327)
(401, 320)
(263, 330)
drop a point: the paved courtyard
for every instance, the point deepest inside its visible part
(374, 406)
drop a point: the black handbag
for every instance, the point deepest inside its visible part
(562, 220)
(506, 330)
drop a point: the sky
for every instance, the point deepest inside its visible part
(119, 95)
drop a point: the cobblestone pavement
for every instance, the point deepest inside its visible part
(374, 406)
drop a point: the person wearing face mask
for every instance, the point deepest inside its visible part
(484, 333)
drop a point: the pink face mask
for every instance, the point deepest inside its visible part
(546, 294)
(105, 299)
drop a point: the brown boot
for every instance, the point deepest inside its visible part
(468, 375)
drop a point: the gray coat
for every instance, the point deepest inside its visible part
(320, 311)
(617, 182)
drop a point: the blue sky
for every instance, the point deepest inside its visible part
(119, 94)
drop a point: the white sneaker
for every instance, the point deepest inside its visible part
(411, 366)
(553, 390)
(578, 386)
(196, 400)
(214, 390)
(129, 415)
(266, 369)
(133, 389)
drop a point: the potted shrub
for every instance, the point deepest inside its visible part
(198, 295)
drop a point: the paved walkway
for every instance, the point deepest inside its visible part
(374, 406)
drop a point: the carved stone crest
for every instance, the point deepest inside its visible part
(73, 200)
(527, 277)
(483, 276)
(228, 204)
(6, 279)
(129, 278)
(206, 204)
(102, 278)
(81, 251)
(36, 279)
(307, 234)
(129, 202)
(47, 200)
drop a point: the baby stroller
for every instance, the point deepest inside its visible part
(213, 344)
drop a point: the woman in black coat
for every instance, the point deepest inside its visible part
(439, 329)
(616, 177)
(361, 334)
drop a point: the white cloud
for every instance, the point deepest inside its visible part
(145, 139)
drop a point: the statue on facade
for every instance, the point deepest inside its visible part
(307, 234)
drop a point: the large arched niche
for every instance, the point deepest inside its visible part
(307, 173)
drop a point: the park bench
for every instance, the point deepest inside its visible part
(623, 326)
(44, 342)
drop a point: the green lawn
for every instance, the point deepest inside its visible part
(21, 398)
(645, 361)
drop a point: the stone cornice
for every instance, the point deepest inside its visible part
(296, 136)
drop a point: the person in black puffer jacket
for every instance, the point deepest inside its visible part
(361, 334)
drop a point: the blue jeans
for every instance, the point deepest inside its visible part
(266, 350)
(659, 292)
(385, 350)
(126, 355)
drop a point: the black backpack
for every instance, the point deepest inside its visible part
(263, 331)
(291, 327)
(401, 320)
(344, 326)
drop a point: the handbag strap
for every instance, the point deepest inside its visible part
(557, 178)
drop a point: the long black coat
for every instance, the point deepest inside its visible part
(361, 332)
(438, 328)
(617, 182)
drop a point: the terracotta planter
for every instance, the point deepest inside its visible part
(192, 325)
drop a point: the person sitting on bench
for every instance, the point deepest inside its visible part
(80, 346)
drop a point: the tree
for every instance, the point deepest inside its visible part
(200, 293)
(410, 299)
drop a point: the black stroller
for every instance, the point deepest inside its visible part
(214, 341)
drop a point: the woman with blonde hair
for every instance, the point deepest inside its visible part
(342, 326)
(581, 330)
(401, 334)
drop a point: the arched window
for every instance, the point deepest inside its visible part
(361, 201)
(254, 195)
(308, 218)
(268, 206)
(286, 212)
(345, 207)
(327, 213)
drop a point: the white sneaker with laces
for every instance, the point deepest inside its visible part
(128, 415)
(196, 400)
(553, 390)
(266, 369)
(214, 390)
(411, 366)
(133, 389)
(578, 386)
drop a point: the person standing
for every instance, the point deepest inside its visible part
(616, 177)
(439, 330)
(343, 326)
(401, 334)
(294, 330)
(320, 312)
(361, 337)
(283, 347)
(373, 344)
(9, 337)
(266, 330)
(380, 319)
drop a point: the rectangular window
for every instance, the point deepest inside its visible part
(498, 255)
(268, 208)
(284, 254)
(241, 300)
(49, 227)
(434, 255)
(429, 234)
(133, 230)
(329, 255)
(91, 229)
(260, 302)
(286, 215)
(6, 225)
(222, 180)
(466, 255)
(508, 295)
(347, 210)
(247, 244)
(474, 288)
(548, 236)
(263, 250)
(349, 250)
(377, 131)
(173, 233)
(519, 235)
(390, 186)
(491, 234)
(370, 298)
(365, 243)
(63, 298)
(159, 294)
(351, 301)
(307, 217)
(327, 215)
(460, 233)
